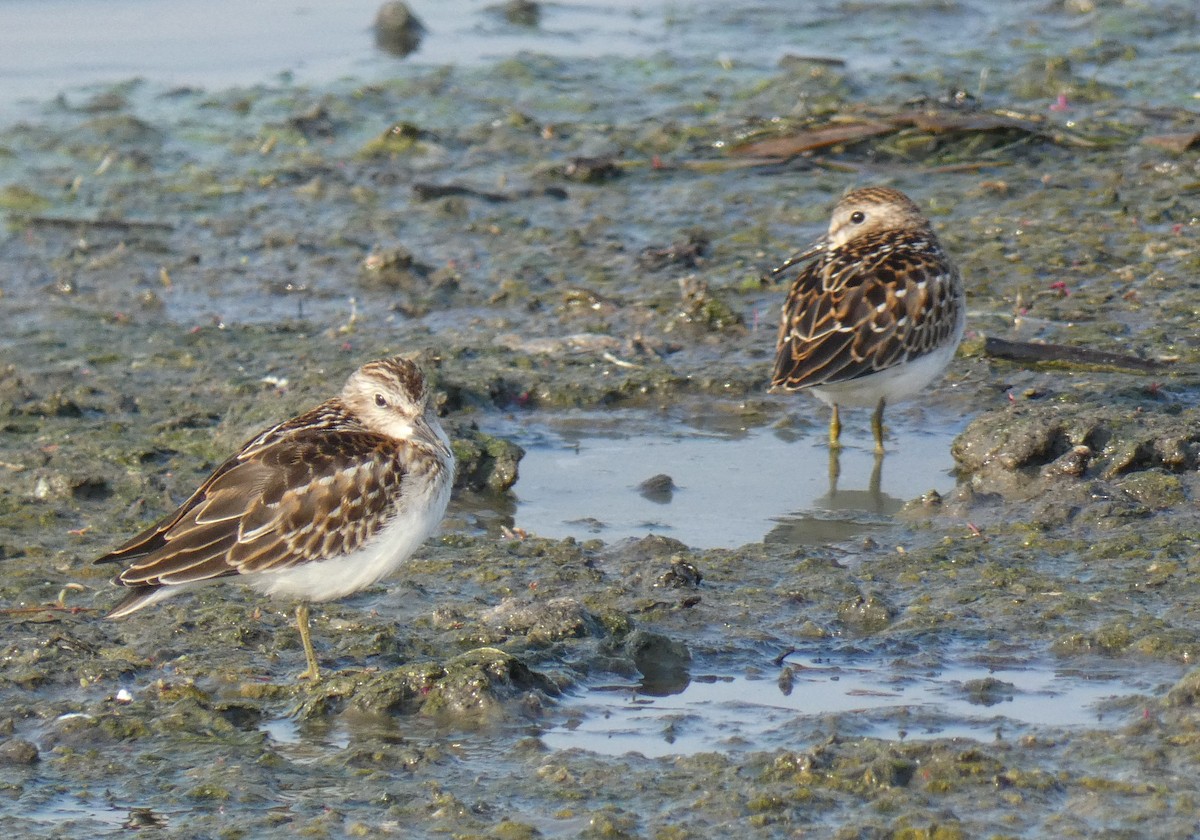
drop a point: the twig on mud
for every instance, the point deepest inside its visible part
(609, 357)
(46, 608)
(114, 224)
(1025, 351)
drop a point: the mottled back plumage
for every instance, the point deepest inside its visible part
(876, 311)
(878, 291)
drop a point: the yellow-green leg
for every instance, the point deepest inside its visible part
(877, 427)
(313, 672)
(835, 470)
(835, 429)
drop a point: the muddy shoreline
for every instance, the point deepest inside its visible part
(183, 267)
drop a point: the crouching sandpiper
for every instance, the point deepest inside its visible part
(313, 509)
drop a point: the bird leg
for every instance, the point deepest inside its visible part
(876, 480)
(877, 426)
(313, 672)
(835, 470)
(835, 429)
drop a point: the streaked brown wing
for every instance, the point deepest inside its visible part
(328, 501)
(307, 496)
(942, 304)
(863, 310)
(151, 539)
(330, 415)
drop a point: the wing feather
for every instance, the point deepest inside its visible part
(329, 415)
(225, 498)
(194, 549)
(859, 310)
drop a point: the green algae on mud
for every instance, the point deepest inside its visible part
(179, 271)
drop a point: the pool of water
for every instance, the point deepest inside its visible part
(803, 700)
(51, 46)
(584, 475)
(73, 810)
(854, 696)
(56, 45)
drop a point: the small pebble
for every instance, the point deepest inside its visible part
(522, 13)
(658, 488)
(397, 30)
(17, 751)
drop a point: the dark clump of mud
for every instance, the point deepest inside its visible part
(397, 29)
(1042, 451)
(184, 268)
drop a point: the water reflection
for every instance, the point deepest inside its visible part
(842, 513)
(618, 474)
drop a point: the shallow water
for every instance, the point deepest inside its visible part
(49, 47)
(52, 46)
(848, 694)
(582, 476)
(858, 696)
(71, 812)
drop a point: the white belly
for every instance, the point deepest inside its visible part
(893, 384)
(326, 580)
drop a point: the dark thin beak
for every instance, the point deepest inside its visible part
(423, 431)
(801, 256)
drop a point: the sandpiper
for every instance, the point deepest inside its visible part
(313, 509)
(876, 312)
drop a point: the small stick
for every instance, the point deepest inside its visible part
(114, 224)
(1025, 351)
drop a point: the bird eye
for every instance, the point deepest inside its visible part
(858, 217)
(381, 400)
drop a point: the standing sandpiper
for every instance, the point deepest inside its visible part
(316, 508)
(877, 312)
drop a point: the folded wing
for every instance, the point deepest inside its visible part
(853, 313)
(289, 500)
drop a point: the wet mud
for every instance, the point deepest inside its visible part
(182, 267)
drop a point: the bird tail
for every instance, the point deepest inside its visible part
(138, 597)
